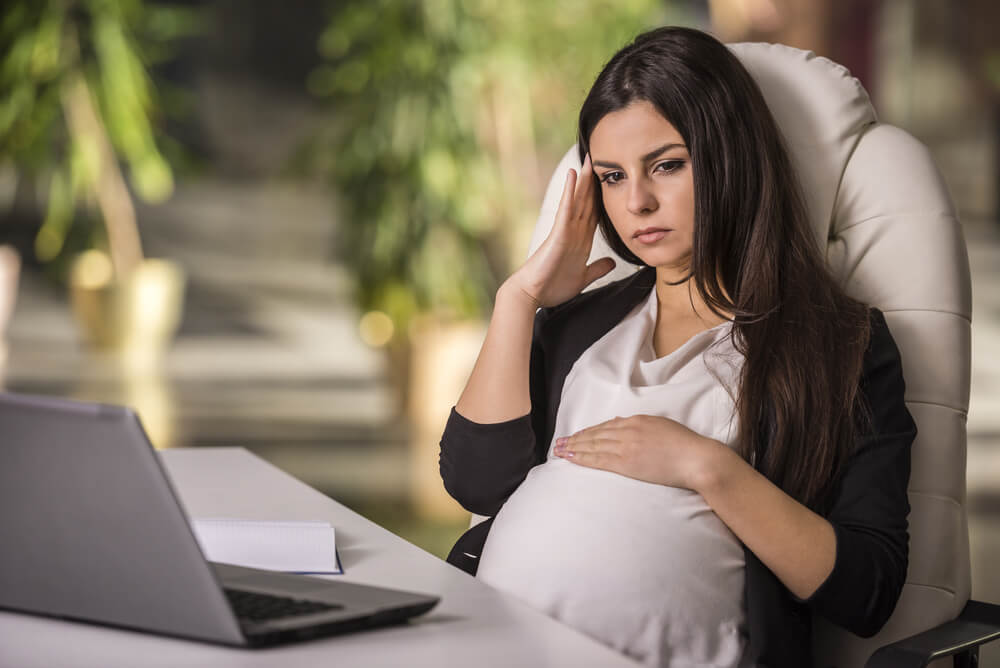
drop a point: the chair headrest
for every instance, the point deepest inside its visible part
(821, 110)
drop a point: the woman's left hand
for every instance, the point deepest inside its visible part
(645, 447)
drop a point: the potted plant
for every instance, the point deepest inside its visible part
(76, 105)
(10, 265)
(445, 121)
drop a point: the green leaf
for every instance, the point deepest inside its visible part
(14, 107)
(52, 234)
(84, 165)
(164, 24)
(45, 52)
(153, 179)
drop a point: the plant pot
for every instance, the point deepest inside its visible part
(135, 317)
(10, 271)
(442, 356)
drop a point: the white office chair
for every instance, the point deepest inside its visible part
(881, 210)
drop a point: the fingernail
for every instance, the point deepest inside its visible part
(561, 440)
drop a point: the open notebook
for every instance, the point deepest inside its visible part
(289, 546)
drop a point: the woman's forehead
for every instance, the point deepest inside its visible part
(634, 132)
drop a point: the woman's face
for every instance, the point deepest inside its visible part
(646, 182)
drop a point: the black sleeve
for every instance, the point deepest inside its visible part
(870, 507)
(482, 464)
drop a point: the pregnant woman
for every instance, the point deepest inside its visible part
(687, 463)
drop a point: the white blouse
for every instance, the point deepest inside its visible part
(647, 569)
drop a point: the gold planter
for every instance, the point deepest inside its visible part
(442, 355)
(136, 316)
(10, 270)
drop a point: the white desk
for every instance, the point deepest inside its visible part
(473, 625)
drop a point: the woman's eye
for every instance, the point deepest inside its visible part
(670, 165)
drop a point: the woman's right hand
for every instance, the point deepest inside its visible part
(558, 271)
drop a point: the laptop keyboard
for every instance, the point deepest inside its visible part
(262, 607)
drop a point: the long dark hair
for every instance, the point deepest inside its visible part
(753, 256)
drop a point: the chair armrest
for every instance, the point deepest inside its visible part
(978, 624)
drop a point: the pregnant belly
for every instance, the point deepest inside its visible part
(645, 568)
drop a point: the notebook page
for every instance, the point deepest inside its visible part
(289, 546)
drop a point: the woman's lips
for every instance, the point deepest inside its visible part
(651, 236)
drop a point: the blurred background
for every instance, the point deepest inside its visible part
(281, 225)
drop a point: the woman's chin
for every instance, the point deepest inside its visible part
(660, 259)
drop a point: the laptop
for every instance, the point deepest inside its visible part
(91, 530)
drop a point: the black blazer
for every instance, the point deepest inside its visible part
(482, 465)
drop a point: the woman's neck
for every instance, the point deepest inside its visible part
(681, 300)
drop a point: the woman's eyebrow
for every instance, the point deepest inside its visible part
(646, 158)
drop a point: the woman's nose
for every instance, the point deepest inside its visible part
(640, 197)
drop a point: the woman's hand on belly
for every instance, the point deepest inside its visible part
(645, 447)
(799, 546)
